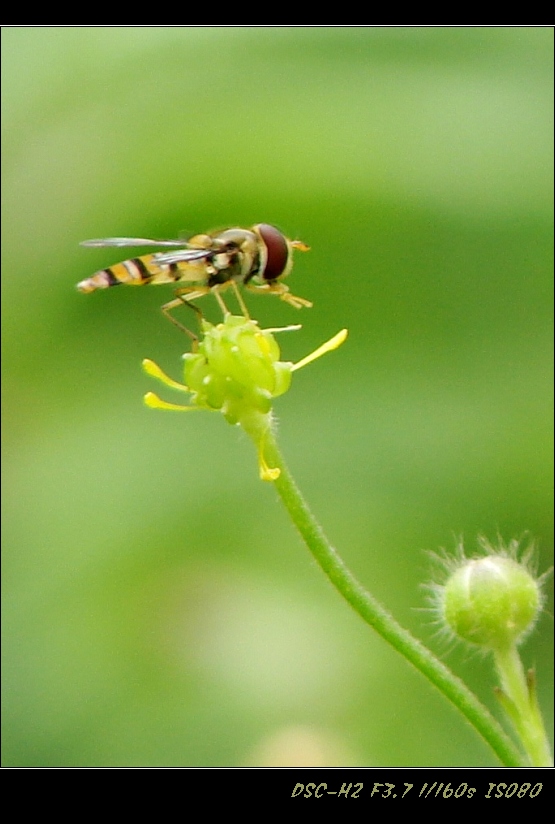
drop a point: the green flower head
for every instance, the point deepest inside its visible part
(236, 370)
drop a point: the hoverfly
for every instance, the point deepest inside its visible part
(257, 258)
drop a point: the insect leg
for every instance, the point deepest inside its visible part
(219, 298)
(240, 300)
(282, 291)
(173, 304)
(180, 300)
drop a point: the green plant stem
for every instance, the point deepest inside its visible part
(522, 706)
(374, 614)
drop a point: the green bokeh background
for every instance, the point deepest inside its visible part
(159, 608)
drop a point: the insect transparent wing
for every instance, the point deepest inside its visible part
(167, 258)
(131, 241)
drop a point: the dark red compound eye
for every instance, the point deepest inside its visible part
(278, 251)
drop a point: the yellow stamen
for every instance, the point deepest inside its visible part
(154, 371)
(293, 328)
(329, 346)
(154, 402)
(266, 472)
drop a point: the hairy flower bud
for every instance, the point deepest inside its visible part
(493, 601)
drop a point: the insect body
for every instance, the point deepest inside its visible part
(258, 258)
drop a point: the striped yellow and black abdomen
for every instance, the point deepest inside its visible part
(140, 270)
